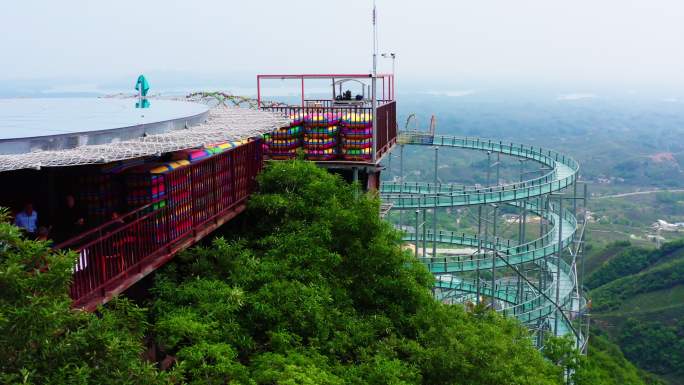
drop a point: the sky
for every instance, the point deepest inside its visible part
(440, 44)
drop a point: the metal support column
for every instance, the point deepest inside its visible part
(434, 210)
(401, 183)
(479, 251)
(424, 231)
(541, 206)
(374, 107)
(558, 263)
(489, 167)
(494, 254)
(574, 198)
(582, 256)
(523, 220)
(498, 168)
(355, 178)
(477, 275)
(416, 231)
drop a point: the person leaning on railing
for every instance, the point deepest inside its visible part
(121, 239)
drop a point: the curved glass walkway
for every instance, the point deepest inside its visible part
(554, 298)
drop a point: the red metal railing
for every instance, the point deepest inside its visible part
(329, 103)
(386, 116)
(200, 197)
(311, 109)
(387, 92)
(386, 128)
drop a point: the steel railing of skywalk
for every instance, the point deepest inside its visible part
(426, 195)
(511, 253)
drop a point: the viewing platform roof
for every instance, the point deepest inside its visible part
(68, 132)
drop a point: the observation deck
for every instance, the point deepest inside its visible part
(146, 182)
(197, 168)
(345, 131)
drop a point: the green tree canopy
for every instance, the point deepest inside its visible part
(310, 287)
(44, 341)
(316, 289)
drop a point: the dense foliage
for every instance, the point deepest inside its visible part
(318, 291)
(654, 345)
(631, 261)
(637, 302)
(662, 276)
(313, 288)
(606, 364)
(43, 341)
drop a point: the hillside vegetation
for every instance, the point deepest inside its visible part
(638, 299)
(318, 291)
(310, 288)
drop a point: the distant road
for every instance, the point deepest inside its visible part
(638, 193)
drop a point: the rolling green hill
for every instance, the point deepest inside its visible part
(638, 301)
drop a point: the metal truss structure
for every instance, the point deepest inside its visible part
(533, 278)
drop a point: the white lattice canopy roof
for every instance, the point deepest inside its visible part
(223, 123)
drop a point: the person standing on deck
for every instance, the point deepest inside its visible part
(72, 220)
(27, 219)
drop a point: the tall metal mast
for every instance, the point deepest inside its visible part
(375, 41)
(374, 103)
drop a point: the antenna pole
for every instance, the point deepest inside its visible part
(374, 103)
(375, 41)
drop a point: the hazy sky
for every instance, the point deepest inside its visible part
(448, 42)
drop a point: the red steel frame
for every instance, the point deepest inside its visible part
(386, 126)
(114, 256)
(386, 86)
